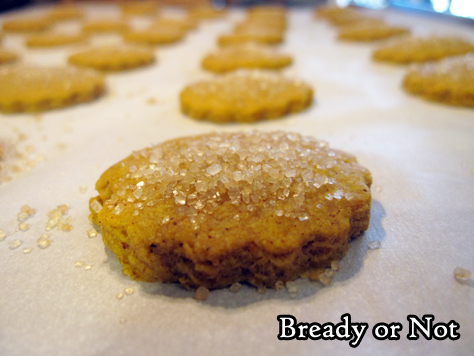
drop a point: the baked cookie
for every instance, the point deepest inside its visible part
(33, 89)
(368, 32)
(27, 24)
(449, 81)
(105, 25)
(155, 35)
(140, 8)
(410, 49)
(245, 96)
(221, 208)
(200, 13)
(114, 57)
(258, 35)
(65, 12)
(249, 55)
(7, 56)
(53, 39)
(182, 24)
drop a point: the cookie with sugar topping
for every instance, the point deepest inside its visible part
(248, 55)
(32, 89)
(105, 25)
(155, 35)
(27, 24)
(114, 57)
(7, 56)
(370, 31)
(449, 81)
(53, 39)
(222, 208)
(413, 49)
(245, 96)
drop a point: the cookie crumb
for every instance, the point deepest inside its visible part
(374, 245)
(292, 288)
(14, 244)
(23, 226)
(462, 275)
(78, 264)
(43, 241)
(87, 267)
(325, 280)
(335, 265)
(92, 233)
(202, 293)
(128, 291)
(119, 296)
(82, 189)
(26, 250)
(279, 285)
(3, 234)
(234, 288)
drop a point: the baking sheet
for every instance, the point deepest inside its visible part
(421, 156)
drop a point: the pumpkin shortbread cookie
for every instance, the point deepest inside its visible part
(155, 35)
(368, 32)
(114, 57)
(249, 55)
(105, 25)
(140, 8)
(53, 39)
(410, 49)
(65, 12)
(27, 24)
(7, 56)
(222, 208)
(449, 81)
(245, 96)
(258, 35)
(33, 89)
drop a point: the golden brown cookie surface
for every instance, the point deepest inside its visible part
(367, 32)
(7, 56)
(114, 57)
(32, 89)
(449, 81)
(409, 49)
(155, 35)
(249, 55)
(245, 96)
(258, 34)
(27, 24)
(140, 8)
(222, 208)
(65, 12)
(105, 25)
(53, 39)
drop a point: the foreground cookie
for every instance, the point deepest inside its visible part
(250, 55)
(114, 57)
(245, 96)
(410, 49)
(217, 209)
(449, 81)
(32, 89)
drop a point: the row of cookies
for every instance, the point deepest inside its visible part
(250, 89)
(448, 81)
(35, 89)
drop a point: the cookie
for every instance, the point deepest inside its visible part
(7, 56)
(33, 89)
(113, 57)
(105, 25)
(250, 55)
(200, 13)
(53, 39)
(222, 208)
(449, 81)
(413, 49)
(155, 35)
(258, 35)
(27, 24)
(166, 22)
(65, 12)
(245, 96)
(140, 8)
(368, 32)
